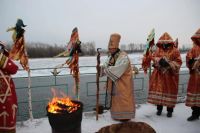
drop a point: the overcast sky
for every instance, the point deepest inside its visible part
(51, 21)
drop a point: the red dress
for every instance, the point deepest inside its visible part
(193, 90)
(163, 86)
(8, 98)
(163, 83)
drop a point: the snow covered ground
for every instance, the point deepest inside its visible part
(144, 113)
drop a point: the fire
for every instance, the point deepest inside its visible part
(58, 105)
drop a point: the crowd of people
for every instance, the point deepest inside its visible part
(163, 83)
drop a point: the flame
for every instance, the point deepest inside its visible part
(57, 105)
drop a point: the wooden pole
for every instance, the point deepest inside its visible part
(97, 82)
(29, 96)
(76, 75)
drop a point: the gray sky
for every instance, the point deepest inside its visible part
(51, 21)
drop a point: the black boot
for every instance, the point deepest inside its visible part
(159, 110)
(169, 114)
(195, 113)
(169, 111)
(192, 118)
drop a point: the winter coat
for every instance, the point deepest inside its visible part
(163, 83)
(193, 89)
(120, 86)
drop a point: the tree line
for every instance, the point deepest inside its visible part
(132, 48)
(43, 50)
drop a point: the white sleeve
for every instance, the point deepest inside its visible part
(115, 72)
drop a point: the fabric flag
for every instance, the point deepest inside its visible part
(73, 39)
(18, 50)
(74, 48)
(150, 41)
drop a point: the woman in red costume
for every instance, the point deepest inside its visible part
(163, 84)
(8, 98)
(193, 90)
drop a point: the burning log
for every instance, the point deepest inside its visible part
(64, 115)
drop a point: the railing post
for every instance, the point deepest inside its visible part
(55, 79)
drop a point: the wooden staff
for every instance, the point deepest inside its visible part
(76, 74)
(29, 96)
(97, 82)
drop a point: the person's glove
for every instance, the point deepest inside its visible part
(163, 63)
(191, 61)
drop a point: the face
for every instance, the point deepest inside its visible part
(112, 50)
(166, 46)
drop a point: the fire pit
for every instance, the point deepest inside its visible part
(64, 115)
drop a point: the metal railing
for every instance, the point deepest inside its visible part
(41, 90)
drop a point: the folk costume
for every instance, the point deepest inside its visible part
(163, 83)
(118, 69)
(8, 98)
(193, 89)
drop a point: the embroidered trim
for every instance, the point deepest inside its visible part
(162, 94)
(3, 60)
(8, 89)
(164, 103)
(192, 94)
(162, 98)
(13, 127)
(122, 115)
(192, 103)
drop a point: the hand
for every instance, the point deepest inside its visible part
(156, 61)
(196, 65)
(191, 61)
(163, 62)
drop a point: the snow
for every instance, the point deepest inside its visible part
(144, 113)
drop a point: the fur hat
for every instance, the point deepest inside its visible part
(196, 37)
(165, 39)
(114, 40)
(127, 127)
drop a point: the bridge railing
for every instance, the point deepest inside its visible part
(41, 89)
